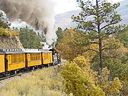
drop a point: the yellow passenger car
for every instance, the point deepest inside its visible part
(16, 60)
(47, 57)
(2, 62)
(33, 58)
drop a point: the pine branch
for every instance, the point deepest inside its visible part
(93, 43)
(107, 25)
(92, 50)
(108, 48)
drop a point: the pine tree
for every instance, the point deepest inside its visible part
(99, 21)
(60, 35)
(29, 38)
(2, 23)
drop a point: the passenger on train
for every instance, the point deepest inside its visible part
(6, 62)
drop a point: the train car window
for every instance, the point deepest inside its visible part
(17, 58)
(35, 57)
(46, 56)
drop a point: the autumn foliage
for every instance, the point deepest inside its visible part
(85, 66)
(83, 81)
(73, 44)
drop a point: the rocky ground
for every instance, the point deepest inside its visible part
(11, 42)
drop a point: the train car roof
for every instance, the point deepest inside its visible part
(31, 51)
(22, 51)
(2, 52)
(36, 51)
(43, 49)
(14, 52)
(46, 51)
(11, 51)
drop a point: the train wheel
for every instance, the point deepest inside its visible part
(42, 66)
(15, 72)
(1, 75)
(26, 69)
(48, 65)
(53, 64)
(33, 68)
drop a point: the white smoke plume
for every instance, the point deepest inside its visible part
(37, 13)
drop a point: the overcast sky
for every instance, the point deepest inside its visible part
(68, 5)
(61, 7)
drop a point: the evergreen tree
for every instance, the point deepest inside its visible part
(123, 37)
(102, 23)
(2, 23)
(60, 35)
(29, 38)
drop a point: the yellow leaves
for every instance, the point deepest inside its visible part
(82, 81)
(104, 75)
(8, 32)
(68, 52)
(113, 47)
(113, 87)
(109, 87)
(81, 61)
(3, 32)
(15, 33)
(74, 44)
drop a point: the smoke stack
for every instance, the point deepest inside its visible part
(37, 13)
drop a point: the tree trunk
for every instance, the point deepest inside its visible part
(100, 54)
(100, 40)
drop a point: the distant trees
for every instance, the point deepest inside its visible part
(123, 37)
(60, 35)
(72, 44)
(29, 38)
(5, 27)
(103, 18)
(2, 23)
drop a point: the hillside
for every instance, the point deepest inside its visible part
(9, 40)
(64, 20)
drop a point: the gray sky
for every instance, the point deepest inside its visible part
(61, 6)
(68, 5)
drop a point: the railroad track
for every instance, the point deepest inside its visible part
(18, 74)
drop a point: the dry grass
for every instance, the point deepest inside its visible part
(45, 82)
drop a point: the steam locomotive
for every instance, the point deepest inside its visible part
(16, 60)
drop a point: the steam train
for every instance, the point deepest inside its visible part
(16, 60)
